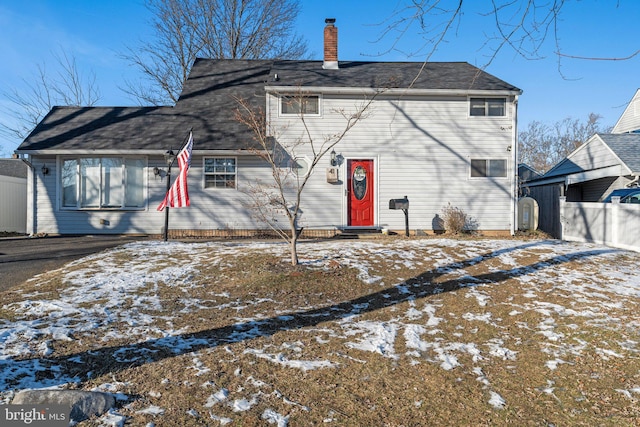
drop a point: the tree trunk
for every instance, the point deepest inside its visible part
(294, 247)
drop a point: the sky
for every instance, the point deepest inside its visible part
(97, 32)
(562, 287)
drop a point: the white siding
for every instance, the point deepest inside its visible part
(594, 155)
(630, 119)
(422, 147)
(215, 209)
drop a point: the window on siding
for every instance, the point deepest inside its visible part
(300, 166)
(103, 183)
(482, 168)
(220, 172)
(300, 105)
(492, 107)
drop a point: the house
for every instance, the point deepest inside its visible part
(629, 121)
(591, 172)
(437, 133)
(13, 193)
(527, 173)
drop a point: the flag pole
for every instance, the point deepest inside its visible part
(168, 154)
(170, 157)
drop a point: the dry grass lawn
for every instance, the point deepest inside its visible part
(393, 332)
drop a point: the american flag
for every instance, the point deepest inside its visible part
(178, 196)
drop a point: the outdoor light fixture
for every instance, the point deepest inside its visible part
(333, 158)
(169, 157)
(45, 170)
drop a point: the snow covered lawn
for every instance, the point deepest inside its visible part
(387, 332)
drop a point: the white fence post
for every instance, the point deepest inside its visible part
(615, 209)
(563, 204)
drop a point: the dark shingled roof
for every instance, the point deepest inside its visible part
(100, 128)
(209, 99)
(626, 146)
(13, 167)
(432, 75)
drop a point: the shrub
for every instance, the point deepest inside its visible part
(454, 220)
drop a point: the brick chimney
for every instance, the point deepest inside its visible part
(330, 45)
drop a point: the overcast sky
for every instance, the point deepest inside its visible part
(96, 32)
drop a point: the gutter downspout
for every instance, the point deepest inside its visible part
(514, 189)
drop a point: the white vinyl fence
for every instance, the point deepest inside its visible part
(13, 204)
(613, 224)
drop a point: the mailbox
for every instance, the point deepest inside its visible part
(399, 204)
(403, 204)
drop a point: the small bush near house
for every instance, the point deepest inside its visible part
(454, 220)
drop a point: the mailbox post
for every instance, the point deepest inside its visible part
(402, 204)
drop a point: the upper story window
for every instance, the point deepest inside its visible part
(492, 107)
(483, 168)
(220, 172)
(306, 104)
(103, 183)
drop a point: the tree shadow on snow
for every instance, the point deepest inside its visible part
(113, 359)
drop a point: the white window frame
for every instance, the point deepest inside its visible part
(486, 106)
(219, 173)
(281, 103)
(101, 176)
(488, 168)
(294, 161)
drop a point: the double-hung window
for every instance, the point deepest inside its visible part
(103, 183)
(491, 107)
(300, 104)
(220, 172)
(488, 168)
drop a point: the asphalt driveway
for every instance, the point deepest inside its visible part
(21, 258)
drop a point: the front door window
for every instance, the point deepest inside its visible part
(359, 182)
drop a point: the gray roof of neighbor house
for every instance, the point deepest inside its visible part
(15, 168)
(626, 146)
(208, 102)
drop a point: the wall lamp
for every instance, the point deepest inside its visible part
(45, 170)
(334, 161)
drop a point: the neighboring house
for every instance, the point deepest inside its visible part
(629, 121)
(13, 194)
(527, 173)
(591, 172)
(438, 133)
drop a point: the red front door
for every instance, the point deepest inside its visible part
(360, 193)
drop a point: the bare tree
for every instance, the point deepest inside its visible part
(541, 146)
(66, 87)
(217, 29)
(282, 197)
(524, 26)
